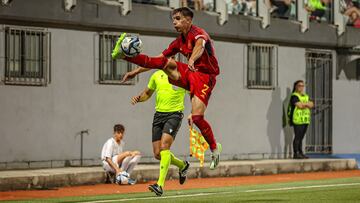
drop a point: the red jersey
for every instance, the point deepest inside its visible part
(207, 63)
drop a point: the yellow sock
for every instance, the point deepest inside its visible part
(165, 160)
(177, 162)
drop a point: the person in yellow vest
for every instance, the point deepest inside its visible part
(299, 116)
(166, 123)
(317, 8)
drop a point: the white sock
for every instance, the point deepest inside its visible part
(133, 162)
(125, 163)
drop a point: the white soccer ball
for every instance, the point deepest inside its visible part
(131, 46)
(122, 179)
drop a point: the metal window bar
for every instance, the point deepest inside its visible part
(331, 12)
(153, 2)
(210, 5)
(358, 69)
(112, 71)
(32, 60)
(319, 86)
(294, 10)
(261, 66)
(26, 56)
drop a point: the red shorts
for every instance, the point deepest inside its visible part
(199, 84)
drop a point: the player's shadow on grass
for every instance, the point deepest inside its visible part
(274, 124)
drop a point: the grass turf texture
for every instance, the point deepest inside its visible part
(330, 190)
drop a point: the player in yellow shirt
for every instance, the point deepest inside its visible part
(166, 123)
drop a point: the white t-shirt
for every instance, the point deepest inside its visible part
(111, 148)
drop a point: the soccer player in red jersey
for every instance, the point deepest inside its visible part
(198, 76)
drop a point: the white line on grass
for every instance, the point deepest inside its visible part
(220, 193)
(303, 187)
(149, 198)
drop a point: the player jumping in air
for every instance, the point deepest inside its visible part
(198, 76)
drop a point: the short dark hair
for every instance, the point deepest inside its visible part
(119, 128)
(185, 11)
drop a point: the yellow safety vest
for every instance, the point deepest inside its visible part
(317, 4)
(301, 116)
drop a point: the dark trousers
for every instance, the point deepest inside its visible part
(282, 8)
(300, 131)
(318, 13)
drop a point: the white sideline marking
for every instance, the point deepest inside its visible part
(217, 193)
(302, 187)
(165, 197)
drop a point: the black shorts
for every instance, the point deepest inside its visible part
(318, 13)
(166, 123)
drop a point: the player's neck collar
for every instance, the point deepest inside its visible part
(116, 141)
(184, 35)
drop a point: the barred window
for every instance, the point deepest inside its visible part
(112, 71)
(261, 66)
(27, 56)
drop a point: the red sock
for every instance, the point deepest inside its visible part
(148, 62)
(206, 130)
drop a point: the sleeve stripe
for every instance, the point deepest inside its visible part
(201, 36)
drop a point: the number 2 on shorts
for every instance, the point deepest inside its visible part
(205, 88)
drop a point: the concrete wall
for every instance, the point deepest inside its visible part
(250, 121)
(43, 123)
(346, 113)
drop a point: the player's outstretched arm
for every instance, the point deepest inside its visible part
(145, 95)
(133, 73)
(197, 52)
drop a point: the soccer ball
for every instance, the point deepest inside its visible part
(122, 179)
(131, 46)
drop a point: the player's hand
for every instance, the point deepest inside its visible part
(127, 76)
(190, 121)
(134, 153)
(135, 100)
(191, 65)
(118, 171)
(128, 153)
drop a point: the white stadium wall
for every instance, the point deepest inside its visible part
(346, 111)
(43, 123)
(39, 124)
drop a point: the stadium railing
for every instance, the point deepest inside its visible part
(265, 11)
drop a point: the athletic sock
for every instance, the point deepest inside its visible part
(206, 130)
(148, 62)
(165, 160)
(177, 162)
